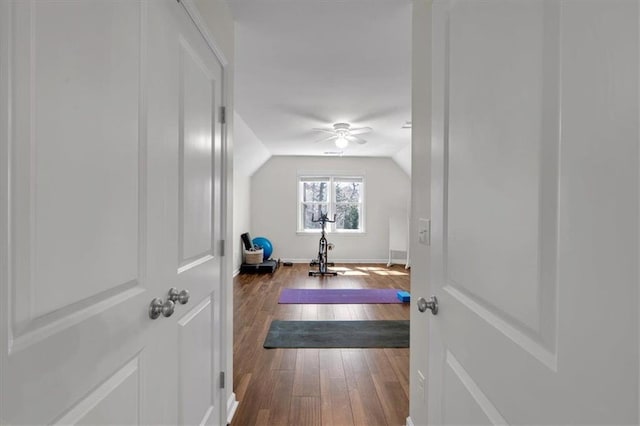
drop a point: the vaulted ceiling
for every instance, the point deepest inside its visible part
(303, 64)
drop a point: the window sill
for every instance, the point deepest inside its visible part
(334, 234)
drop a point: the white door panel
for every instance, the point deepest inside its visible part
(76, 252)
(535, 212)
(503, 167)
(192, 76)
(95, 251)
(92, 191)
(500, 268)
(68, 119)
(196, 156)
(195, 363)
(200, 227)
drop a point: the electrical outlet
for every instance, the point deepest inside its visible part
(424, 231)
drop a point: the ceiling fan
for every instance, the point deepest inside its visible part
(342, 134)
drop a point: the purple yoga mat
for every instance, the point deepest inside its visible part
(355, 295)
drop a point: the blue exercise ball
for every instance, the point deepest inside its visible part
(265, 245)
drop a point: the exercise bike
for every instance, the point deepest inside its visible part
(323, 248)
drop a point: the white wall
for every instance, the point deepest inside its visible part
(274, 199)
(249, 155)
(219, 20)
(403, 158)
(421, 201)
(241, 215)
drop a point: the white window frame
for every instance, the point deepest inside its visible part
(331, 201)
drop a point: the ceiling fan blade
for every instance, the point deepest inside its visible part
(325, 130)
(360, 130)
(356, 139)
(330, 138)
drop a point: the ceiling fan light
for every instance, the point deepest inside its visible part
(342, 142)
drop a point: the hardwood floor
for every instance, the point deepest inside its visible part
(333, 387)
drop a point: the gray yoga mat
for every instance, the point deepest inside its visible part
(338, 334)
(339, 295)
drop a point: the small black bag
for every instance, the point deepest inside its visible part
(246, 240)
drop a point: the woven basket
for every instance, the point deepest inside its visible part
(253, 257)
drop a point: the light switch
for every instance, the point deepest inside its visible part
(424, 231)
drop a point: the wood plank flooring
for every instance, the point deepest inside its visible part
(333, 387)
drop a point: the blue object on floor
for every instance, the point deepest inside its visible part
(265, 245)
(404, 296)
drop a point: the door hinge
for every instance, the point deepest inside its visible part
(223, 115)
(222, 380)
(222, 248)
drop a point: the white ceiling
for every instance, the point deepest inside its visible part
(302, 64)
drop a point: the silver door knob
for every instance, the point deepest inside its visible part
(431, 304)
(158, 307)
(179, 296)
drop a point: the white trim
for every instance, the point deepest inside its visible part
(331, 233)
(529, 343)
(485, 404)
(236, 272)
(96, 396)
(207, 416)
(74, 314)
(232, 406)
(195, 263)
(409, 422)
(198, 20)
(6, 102)
(349, 261)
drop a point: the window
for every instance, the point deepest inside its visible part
(334, 195)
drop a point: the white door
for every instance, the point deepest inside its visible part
(89, 207)
(535, 212)
(185, 103)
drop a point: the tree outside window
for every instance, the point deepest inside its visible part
(339, 196)
(315, 201)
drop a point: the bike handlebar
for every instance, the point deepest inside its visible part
(323, 219)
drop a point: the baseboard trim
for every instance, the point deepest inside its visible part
(236, 272)
(384, 261)
(409, 422)
(232, 406)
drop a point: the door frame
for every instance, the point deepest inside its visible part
(421, 164)
(5, 237)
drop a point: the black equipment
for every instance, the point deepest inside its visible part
(266, 266)
(247, 241)
(324, 246)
